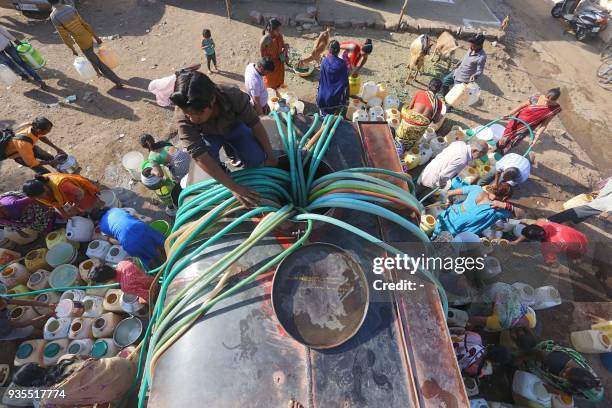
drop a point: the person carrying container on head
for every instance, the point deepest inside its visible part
(73, 29)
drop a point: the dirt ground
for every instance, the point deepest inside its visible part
(158, 38)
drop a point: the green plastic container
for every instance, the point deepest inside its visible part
(30, 55)
(161, 226)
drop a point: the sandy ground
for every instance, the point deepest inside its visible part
(158, 38)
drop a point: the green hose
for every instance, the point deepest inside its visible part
(202, 207)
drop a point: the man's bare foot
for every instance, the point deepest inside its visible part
(209, 72)
(119, 86)
(42, 85)
(294, 404)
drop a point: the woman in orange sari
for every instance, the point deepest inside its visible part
(273, 45)
(68, 194)
(538, 111)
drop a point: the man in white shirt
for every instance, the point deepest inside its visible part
(450, 162)
(255, 86)
(513, 169)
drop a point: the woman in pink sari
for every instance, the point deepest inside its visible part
(538, 111)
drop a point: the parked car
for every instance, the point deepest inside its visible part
(35, 9)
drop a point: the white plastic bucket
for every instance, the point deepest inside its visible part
(110, 199)
(131, 161)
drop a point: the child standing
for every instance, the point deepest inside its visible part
(208, 45)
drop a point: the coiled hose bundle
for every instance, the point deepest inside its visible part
(291, 194)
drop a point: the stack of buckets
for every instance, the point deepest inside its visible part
(373, 103)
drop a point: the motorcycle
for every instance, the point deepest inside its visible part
(586, 21)
(34, 9)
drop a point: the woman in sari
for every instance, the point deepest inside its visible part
(273, 45)
(333, 82)
(425, 108)
(563, 370)
(19, 211)
(508, 310)
(478, 211)
(68, 194)
(538, 111)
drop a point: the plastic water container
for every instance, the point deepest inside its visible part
(469, 175)
(591, 341)
(48, 297)
(19, 289)
(426, 153)
(80, 347)
(22, 314)
(604, 326)
(115, 255)
(354, 85)
(486, 247)
(69, 308)
(81, 328)
(39, 280)
(30, 351)
(376, 111)
(84, 269)
(104, 348)
(130, 304)
(457, 95)
(438, 144)
(7, 256)
(79, 229)
(392, 113)
(73, 294)
(84, 68)
(110, 199)
(104, 326)
(58, 237)
(108, 57)
(354, 105)
(546, 297)
(7, 76)
(529, 391)
(581, 199)
(429, 135)
(64, 276)
(131, 161)
(61, 254)
(112, 300)
(360, 116)
(456, 317)
(68, 164)
(492, 267)
(369, 91)
(54, 350)
(30, 55)
(428, 223)
(473, 93)
(412, 158)
(527, 293)
(93, 306)
(562, 401)
(479, 403)
(35, 259)
(57, 328)
(98, 249)
(13, 275)
(391, 102)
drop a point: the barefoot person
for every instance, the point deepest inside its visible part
(213, 116)
(254, 75)
(12, 330)
(601, 206)
(538, 111)
(333, 82)
(273, 45)
(425, 109)
(73, 29)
